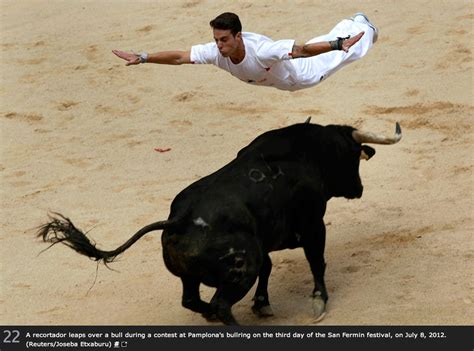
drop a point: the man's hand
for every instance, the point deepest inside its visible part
(131, 58)
(346, 44)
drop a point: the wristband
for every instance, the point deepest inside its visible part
(143, 57)
(337, 44)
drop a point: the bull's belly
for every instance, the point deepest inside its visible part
(280, 236)
(290, 242)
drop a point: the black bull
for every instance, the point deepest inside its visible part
(272, 196)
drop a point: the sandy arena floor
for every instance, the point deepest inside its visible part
(78, 132)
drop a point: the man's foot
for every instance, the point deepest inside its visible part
(362, 18)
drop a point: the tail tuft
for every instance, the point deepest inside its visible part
(60, 229)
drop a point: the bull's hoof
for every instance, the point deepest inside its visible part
(319, 308)
(210, 317)
(263, 311)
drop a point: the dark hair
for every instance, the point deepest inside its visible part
(226, 21)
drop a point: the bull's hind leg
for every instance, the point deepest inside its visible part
(238, 273)
(192, 299)
(261, 306)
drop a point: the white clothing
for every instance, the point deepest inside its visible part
(269, 63)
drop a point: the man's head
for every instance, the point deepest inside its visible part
(227, 32)
(227, 21)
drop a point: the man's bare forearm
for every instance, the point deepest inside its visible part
(163, 57)
(309, 50)
(169, 57)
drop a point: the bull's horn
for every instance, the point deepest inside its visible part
(308, 120)
(367, 137)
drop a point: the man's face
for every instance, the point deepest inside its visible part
(226, 42)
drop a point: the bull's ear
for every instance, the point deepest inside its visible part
(366, 152)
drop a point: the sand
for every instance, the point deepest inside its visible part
(79, 129)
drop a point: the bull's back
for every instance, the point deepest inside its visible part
(252, 194)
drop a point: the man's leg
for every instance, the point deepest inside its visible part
(328, 63)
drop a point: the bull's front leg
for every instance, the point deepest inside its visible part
(314, 242)
(261, 306)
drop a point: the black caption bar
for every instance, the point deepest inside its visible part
(128, 338)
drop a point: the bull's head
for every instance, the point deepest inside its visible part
(343, 178)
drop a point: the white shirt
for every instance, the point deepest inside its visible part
(266, 62)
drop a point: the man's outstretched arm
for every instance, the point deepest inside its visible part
(314, 49)
(164, 57)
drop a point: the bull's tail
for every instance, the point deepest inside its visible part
(61, 230)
